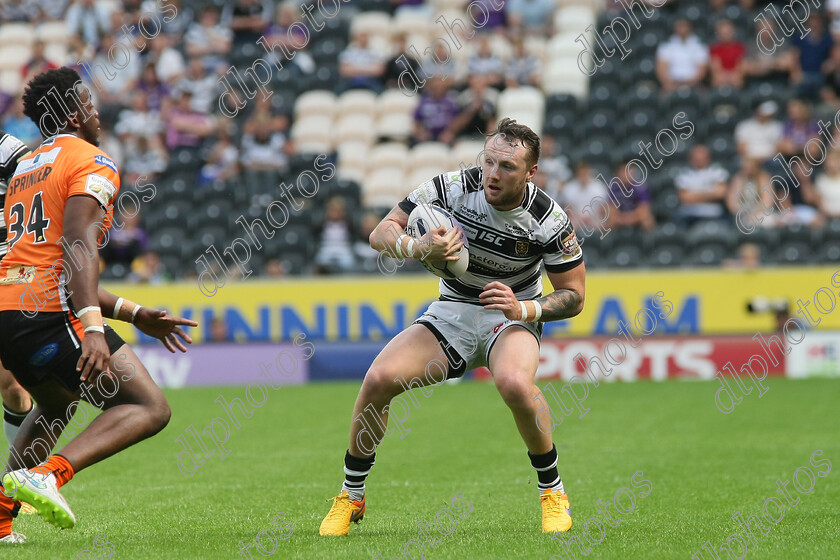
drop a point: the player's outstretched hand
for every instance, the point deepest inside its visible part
(95, 355)
(157, 324)
(442, 245)
(499, 296)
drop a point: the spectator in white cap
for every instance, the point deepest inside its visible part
(758, 136)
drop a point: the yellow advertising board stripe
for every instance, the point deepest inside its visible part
(375, 308)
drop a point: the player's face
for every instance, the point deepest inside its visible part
(506, 171)
(88, 127)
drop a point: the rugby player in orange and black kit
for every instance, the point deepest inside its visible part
(59, 206)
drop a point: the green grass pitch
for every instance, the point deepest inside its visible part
(703, 465)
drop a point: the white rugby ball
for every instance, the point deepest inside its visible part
(427, 217)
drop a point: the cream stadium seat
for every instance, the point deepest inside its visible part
(384, 187)
(429, 154)
(18, 34)
(14, 56)
(357, 102)
(11, 81)
(395, 101)
(395, 126)
(466, 153)
(563, 45)
(564, 76)
(313, 134)
(355, 128)
(53, 32)
(353, 161)
(388, 155)
(315, 103)
(373, 23)
(573, 19)
(410, 24)
(57, 53)
(524, 104)
(420, 175)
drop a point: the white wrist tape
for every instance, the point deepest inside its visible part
(398, 247)
(409, 248)
(117, 307)
(134, 313)
(537, 311)
(95, 328)
(84, 310)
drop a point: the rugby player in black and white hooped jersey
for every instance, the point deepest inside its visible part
(16, 400)
(490, 316)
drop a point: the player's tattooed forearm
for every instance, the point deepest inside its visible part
(560, 304)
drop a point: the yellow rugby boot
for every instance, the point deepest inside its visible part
(556, 512)
(342, 512)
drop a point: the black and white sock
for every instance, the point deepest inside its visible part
(546, 467)
(12, 422)
(356, 470)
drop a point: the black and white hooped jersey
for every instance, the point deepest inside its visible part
(507, 246)
(11, 149)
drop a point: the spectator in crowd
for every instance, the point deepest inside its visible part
(831, 69)
(749, 257)
(396, 65)
(749, 199)
(766, 59)
(125, 243)
(798, 129)
(248, 19)
(523, 69)
(702, 188)
(111, 145)
(496, 17)
(447, 70)
(37, 63)
(180, 21)
(111, 85)
(484, 63)
(555, 166)
(634, 210)
(219, 332)
(155, 90)
(185, 128)
(478, 110)
(168, 61)
(530, 17)
(437, 108)
(209, 40)
(758, 137)
(17, 11)
(368, 257)
(579, 192)
(19, 125)
(203, 86)
(273, 268)
(335, 234)
(148, 269)
(811, 52)
(90, 19)
(726, 57)
(683, 60)
(360, 66)
(293, 40)
(828, 187)
(223, 159)
(139, 120)
(146, 157)
(263, 149)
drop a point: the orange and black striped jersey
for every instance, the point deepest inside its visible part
(33, 274)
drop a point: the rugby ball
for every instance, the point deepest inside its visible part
(427, 217)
